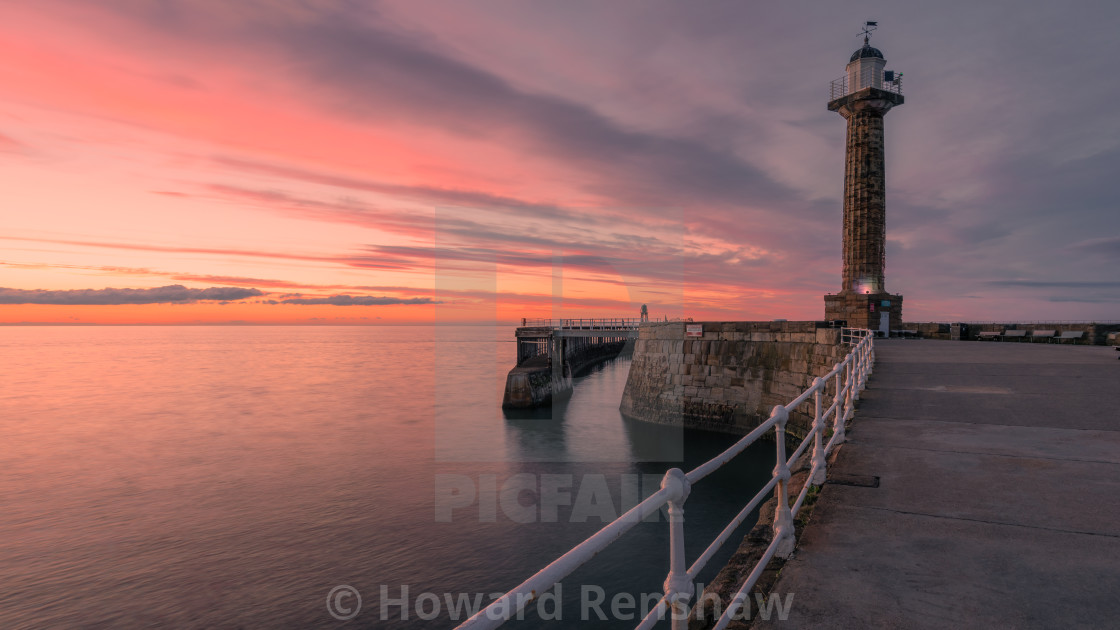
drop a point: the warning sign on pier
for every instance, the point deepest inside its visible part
(694, 330)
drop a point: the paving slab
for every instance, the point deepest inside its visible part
(998, 495)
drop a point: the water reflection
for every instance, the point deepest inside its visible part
(230, 477)
(537, 435)
(586, 442)
(588, 427)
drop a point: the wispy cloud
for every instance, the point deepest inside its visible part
(1108, 246)
(359, 300)
(368, 69)
(176, 249)
(1059, 284)
(426, 194)
(10, 145)
(171, 294)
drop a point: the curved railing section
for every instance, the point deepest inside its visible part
(848, 378)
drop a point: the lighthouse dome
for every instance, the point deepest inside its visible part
(866, 52)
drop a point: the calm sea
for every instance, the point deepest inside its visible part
(231, 477)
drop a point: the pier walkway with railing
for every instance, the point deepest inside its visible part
(978, 488)
(585, 327)
(830, 401)
(561, 337)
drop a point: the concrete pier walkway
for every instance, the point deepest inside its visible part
(998, 497)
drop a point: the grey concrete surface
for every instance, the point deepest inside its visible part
(998, 504)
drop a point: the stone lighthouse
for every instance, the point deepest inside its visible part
(863, 96)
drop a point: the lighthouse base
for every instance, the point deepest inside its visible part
(865, 310)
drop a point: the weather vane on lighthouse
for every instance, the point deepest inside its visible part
(863, 96)
(868, 28)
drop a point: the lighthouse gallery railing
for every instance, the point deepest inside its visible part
(849, 377)
(838, 88)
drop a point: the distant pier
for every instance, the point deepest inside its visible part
(551, 351)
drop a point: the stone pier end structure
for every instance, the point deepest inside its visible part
(729, 376)
(551, 352)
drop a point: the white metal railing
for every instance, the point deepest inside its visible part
(851, 336)
(839, 87)
(849, 377)
(609, 323)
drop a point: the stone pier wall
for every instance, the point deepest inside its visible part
(535, 384)
(731, 377)
(863, 310)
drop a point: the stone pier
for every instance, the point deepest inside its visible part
(551, 352)
(730, 376)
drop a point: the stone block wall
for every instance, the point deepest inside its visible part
(730, 378)
(535, 383)
(929, 330)
(863, 310)
(864, 203)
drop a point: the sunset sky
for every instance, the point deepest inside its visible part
(393, 161)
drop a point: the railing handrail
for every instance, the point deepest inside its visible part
(602, 323)
(849, 377)
(838, 88)
(853, 335)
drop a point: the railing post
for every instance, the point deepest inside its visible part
(849, 402)
(837, 427)
(819, 472)
(857, 369)
(783, 518)
(864, 358)
(865, 365)
(679, 587)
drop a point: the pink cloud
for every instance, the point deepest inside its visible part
(681, 148)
